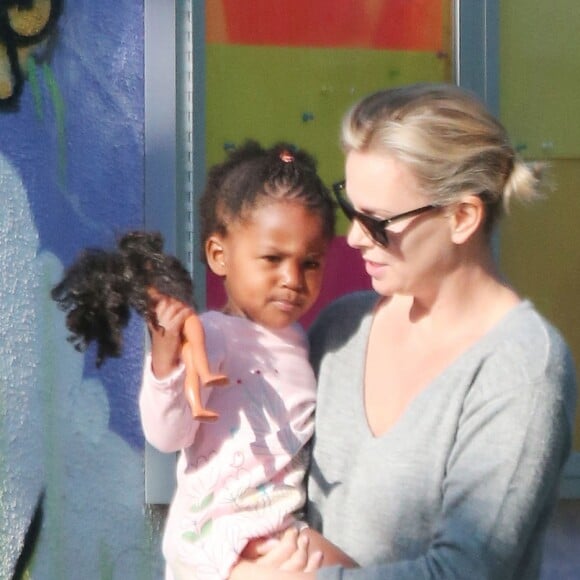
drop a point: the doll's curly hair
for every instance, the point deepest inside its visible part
(99, 290)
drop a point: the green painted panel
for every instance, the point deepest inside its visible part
(540, 76)
(299, 94)
(540, 254)
(540, 106)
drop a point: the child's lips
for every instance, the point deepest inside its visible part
(287, 305)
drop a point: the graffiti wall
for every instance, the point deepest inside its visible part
(71, 176)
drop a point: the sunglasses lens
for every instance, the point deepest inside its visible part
(372, 227)
(375, 230)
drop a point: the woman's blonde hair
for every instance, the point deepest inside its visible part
(448, 139)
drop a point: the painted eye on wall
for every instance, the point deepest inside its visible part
(24, 33)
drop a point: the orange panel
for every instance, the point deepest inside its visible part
(378, 24)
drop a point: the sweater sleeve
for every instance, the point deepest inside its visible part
(166, 416)
(165, 413)
(502, 474)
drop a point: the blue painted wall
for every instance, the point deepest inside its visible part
(71, 176)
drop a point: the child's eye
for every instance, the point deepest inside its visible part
(312, 264)
(272, 258)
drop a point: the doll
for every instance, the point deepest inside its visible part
(101, 287)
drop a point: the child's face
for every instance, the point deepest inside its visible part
(273, 263)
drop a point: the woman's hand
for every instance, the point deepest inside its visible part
(166, 337)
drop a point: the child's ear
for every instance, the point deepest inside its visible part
(215, 255)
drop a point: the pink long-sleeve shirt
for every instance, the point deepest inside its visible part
(240, 477)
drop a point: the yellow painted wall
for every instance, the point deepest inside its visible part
(540, 106)
(299, 94)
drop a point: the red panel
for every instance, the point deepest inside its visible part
(380, 24)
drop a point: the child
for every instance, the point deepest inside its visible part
(267, 221)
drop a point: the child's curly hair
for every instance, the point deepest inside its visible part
(251, 175)
(101, 287)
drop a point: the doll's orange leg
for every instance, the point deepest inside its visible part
(192, 386)
(195, 336)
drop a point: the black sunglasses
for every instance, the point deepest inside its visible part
(375, 228)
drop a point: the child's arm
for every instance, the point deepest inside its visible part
(166, 339)
(165, 413)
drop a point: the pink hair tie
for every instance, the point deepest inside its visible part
(286, 156)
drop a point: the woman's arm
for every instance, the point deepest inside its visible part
(331, 554)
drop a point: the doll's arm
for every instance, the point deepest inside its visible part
(194, 337)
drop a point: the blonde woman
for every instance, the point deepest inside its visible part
(445, 400)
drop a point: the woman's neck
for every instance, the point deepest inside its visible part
(473, 289)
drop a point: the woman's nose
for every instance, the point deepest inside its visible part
(357, 236)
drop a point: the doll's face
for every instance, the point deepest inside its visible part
(154, 294)
(272, 262)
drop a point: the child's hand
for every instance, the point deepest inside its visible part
(303, 559)
(166, 338)
(290, 551)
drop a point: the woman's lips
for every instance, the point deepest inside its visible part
(374, 269)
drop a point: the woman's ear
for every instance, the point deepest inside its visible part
(466, 218)
(215, 255)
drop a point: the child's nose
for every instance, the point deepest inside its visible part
(293, 276)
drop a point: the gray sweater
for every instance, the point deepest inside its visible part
(463, 485)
